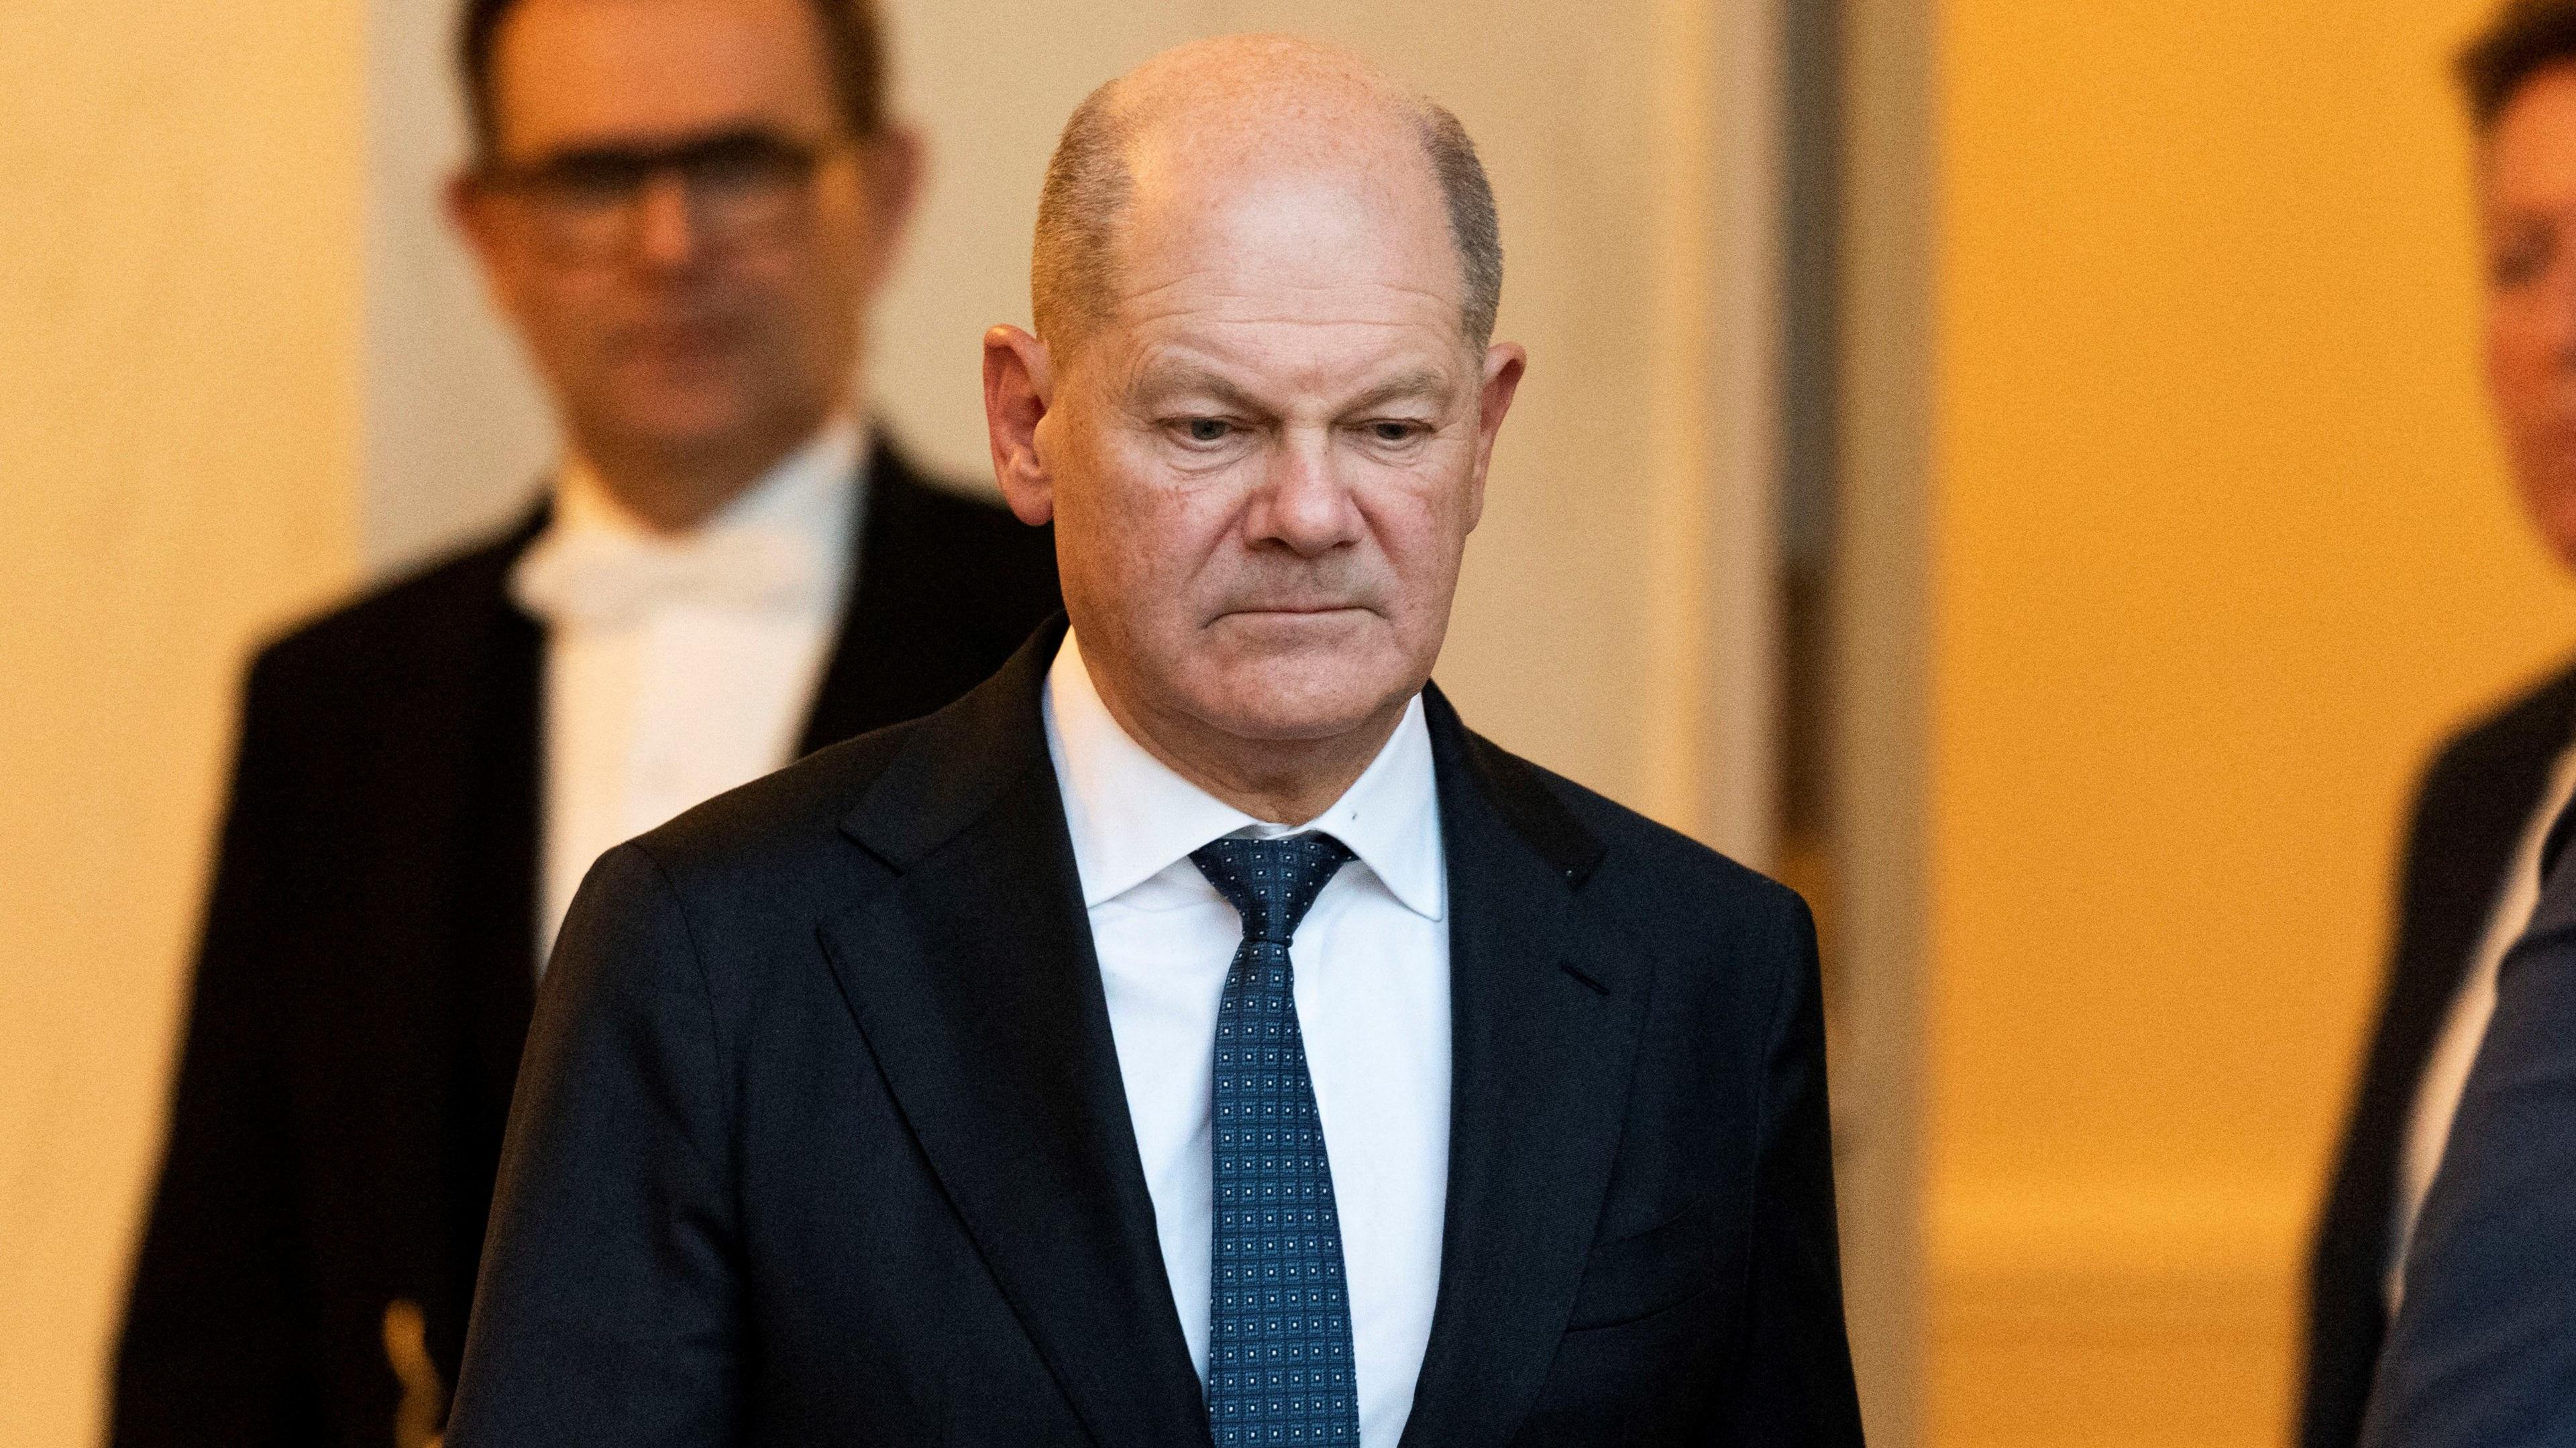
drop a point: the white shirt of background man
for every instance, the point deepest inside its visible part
(1372, 988)
(680, 666)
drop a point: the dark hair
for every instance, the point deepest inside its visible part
(853, 51)
(2525, 38)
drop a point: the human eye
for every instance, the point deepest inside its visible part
(1202, 432)
(588, 180)
(746, 162)
(1395, 434)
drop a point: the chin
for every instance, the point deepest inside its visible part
(681, 423)
(1304, 697)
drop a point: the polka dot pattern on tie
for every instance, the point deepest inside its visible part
(1280, 1362)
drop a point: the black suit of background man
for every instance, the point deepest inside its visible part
(2470, 813)
(367, 971)
(823, 1138)
(2518, 76)
(2483, 1353)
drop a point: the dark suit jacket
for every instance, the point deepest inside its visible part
(822, 1137)
(2470, 812)
(363, 989)
(2483, 1351)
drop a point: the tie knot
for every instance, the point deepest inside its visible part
(1272, 883)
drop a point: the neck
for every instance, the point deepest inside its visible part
(1277, 781)
(674, 502)
(674, 489)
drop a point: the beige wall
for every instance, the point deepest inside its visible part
(177, 343)
(2221, 546)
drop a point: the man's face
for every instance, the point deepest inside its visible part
(2527, 194)
(686, 312)
(1266, 461)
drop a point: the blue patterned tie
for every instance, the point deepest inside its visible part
(1279, 1339)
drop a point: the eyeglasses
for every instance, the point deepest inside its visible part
(586, 203)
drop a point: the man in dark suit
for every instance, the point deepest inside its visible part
(685, 205)
(2471, 877)
(2483, 1351)
(1196, 1033)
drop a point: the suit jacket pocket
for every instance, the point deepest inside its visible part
(1646, 1272)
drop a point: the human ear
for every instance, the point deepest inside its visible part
(1019, 385)
(1504, 363)
(469, 210)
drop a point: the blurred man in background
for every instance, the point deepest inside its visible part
(686, 207)
(2471, 873)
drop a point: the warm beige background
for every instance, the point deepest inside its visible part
(2222, 545)
(243, 363)
(178, 389)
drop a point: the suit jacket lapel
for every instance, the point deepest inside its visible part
(973, 979)
(1544, 1025)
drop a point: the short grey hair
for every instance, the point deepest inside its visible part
(1071, 267)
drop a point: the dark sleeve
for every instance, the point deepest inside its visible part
(1798, 1375)
(606, 1311)
(2483, 1350)
(219, 1339)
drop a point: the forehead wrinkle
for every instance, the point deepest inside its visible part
(1162, 371)
(1157, 304)
(1144, 297)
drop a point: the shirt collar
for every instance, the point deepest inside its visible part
(807, 495)
(1132, 816)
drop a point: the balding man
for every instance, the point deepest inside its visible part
(1195, 1033)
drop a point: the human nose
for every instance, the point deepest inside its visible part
(666, 234)
(1304, 503)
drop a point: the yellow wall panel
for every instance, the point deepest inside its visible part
(2222, 546)
(178, 281)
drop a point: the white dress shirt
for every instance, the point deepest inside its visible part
(678, 667)
(1371, 963)
(2455, 1051)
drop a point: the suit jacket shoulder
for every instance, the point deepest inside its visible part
(968, 528)
(383, 630)
(1652, 875)
(2510, 744)
(998, 573)
(782, 826)
(2535, 718)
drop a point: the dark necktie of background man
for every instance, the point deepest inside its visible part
(1279, 1330)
